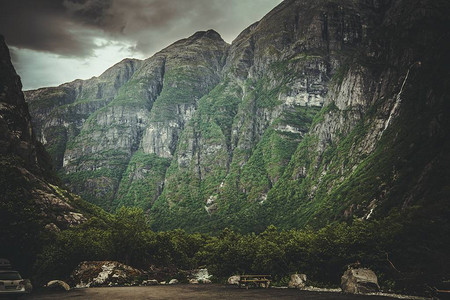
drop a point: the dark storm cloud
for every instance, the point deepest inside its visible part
(71, 27)
(43, 26)
(56, 41)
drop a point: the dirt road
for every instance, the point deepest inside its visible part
(201, 292)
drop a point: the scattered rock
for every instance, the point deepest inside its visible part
(359, 281)
(200, 275)
(204, 281)
(173, 281)
(297, 281)
(193, 281)
(104, 273)
(58, 285)
(162, 282)
(234, 280)
(150, 282)
(51, 227)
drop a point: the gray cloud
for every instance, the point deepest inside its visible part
(56, 41)
(70, 27)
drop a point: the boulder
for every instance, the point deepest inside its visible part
(173, 281)
(150, 282)
(204, 281)
(297, 281)
(359, 281)
(104, 273)
(58, 285)
(197, 276)
(234, 280)
(200, 275)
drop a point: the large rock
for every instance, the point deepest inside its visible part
(104, 273)
(234, 280)
(359, 281)
(297, 281)
(200, 276)
(58, 285)
(150, 282)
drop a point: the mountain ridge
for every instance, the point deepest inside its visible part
(291, 124)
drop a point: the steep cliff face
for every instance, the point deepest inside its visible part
(382, 138)
(60, 112)
(114, 134)
(31, 202)
(245, 131)
(321, 111)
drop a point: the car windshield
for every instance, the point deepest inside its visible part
(10, 276)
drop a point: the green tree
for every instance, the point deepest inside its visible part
(129, 235)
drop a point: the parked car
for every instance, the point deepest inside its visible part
(11, 283)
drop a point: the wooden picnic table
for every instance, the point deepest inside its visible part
(257, 280)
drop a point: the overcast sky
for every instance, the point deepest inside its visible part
(56, 41)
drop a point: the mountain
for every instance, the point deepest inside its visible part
(33, 202)
(322, 111)
(114, 136)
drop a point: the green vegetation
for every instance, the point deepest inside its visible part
(183, 85)
(323, 254)
(142, 181)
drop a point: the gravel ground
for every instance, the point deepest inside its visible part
(184, 291)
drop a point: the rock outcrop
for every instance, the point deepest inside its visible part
(199, 276)
(104, 273)
(57, 285)
(234, 280)
(297, 281)
(359, 281)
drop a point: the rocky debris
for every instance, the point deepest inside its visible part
(297, 281)
(359, 281)
(150, 282)
(51, 227)
(234, 280)
(173, 281)
(199, 276)
(193, 281)
(72, 218)
(104, 273)
(57, 285)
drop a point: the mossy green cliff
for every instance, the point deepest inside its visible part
(321, 111)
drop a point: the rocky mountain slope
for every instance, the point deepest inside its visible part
(114, 137)
(32, 203)
(321, 111)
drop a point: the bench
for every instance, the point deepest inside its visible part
(256, 280)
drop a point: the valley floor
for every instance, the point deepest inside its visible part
(181, 291)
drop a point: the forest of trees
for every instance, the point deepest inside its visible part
(401, 250)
